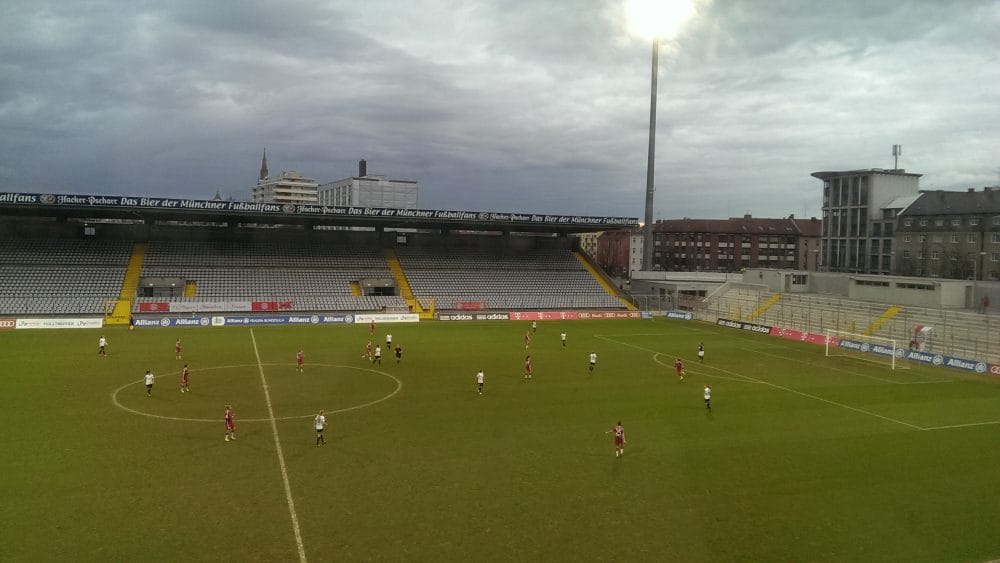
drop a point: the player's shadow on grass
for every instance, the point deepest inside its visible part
(618, 462)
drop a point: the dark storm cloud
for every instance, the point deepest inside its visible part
(515, 105)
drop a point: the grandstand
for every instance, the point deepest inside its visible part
(955, 332)
(539, 278)
(58, 277)
(79, 276)
(313, 276)
(76, 254)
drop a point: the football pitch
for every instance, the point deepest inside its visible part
(801, 457)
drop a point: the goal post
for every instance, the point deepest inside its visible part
(874, 349)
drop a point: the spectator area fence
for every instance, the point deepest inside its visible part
(953, 332)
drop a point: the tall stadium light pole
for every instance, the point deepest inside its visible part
(658, 20)
(647, 238)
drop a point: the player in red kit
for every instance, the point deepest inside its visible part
(619, 432)
(679, 366)
(299, 360)
(230, 424)
(368, 351)
(527, 340)
(371, 327)
(185, 376)
(527, 367)
(177, 349)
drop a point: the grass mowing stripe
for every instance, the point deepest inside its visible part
(281, 456)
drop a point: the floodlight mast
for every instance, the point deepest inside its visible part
(897, 151)
(647, 238)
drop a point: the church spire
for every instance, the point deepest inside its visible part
(263, 166)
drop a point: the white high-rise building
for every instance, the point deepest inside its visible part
(290, 187)
(858, 207)
(366, 190)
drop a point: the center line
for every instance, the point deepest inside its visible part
(281, 456)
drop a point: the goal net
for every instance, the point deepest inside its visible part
(874, 349)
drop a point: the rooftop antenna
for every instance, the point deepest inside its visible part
(897, 151)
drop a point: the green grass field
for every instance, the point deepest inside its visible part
(802, 458)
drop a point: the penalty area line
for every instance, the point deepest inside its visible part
(788, 389)
(963, 425)
(281, 456)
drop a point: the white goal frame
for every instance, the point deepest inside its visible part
(866, 348)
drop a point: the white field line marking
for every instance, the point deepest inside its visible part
(769, 384)
(399, 386)
(962, 425)
(657, 354)
(831, 368)
(740, 380)
(281, 456)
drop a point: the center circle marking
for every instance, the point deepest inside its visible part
(399, 386)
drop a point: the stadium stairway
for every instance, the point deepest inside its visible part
(123, 307)
(355, 289)
(886, 317)
(763, 308)
(603, 280)
(190, 288)
(404, 286)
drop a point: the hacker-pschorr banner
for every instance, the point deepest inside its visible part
(72, 200)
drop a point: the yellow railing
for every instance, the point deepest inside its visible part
(123, 306)
(404, 286)
(767, 305)
(602, 280)
(886, 317)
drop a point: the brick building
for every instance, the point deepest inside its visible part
(719, 245)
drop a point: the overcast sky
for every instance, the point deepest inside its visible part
(505, 105)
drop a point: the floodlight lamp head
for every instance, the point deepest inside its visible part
(658, 19)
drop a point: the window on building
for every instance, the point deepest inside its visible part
(956, 222)
(923, 238)
(937, 238)
(955, 239)
(994, 256)
(939, 222)
(908, 223)
(921, 255)
(996, 221)
(906, 238)
(973, 221)
(911, 285)
(923, 222)
(995, 238)
(935, 255)
(971, 237)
